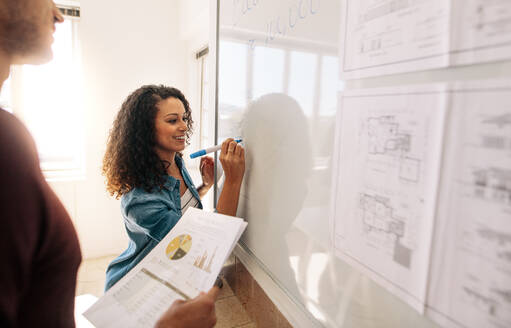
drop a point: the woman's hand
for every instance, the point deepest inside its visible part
(232, 158)
(207, 171)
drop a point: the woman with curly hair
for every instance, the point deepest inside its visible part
(143, 165)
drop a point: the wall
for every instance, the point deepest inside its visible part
(125, 44)
(194, 31)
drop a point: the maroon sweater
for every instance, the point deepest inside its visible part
(39, 249)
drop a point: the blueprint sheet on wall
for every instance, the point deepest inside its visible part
(470, 283)
(389, 153)
(382, 37)
(423, 197)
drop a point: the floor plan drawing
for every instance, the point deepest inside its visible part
(386, 138)
(386, 197)
(382, 226)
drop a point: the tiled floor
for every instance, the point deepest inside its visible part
(229, 311)
(260, 309)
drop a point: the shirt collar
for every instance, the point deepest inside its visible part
(171, 181)
(179, 161)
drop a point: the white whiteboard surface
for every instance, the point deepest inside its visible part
(284, 53)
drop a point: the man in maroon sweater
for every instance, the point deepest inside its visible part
(38, 244)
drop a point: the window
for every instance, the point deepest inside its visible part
(302, 80)
(47, 99)
(268, 73)
(206, 116)
(307, 74)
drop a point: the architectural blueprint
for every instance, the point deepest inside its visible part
(481, 31)
(389, 154)
(471, 274)
(382, 37)
(396, 221)
(414, 233)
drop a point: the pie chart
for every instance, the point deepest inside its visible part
(179, 247)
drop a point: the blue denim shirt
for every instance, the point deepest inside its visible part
(148, 217)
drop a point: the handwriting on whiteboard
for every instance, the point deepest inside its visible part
(241, 8)
(279, 24)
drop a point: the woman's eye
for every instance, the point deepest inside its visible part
(172, 121)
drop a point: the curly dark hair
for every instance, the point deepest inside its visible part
(130, 160)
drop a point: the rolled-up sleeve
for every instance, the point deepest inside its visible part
(153, 216)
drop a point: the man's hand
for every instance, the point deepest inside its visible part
(196, 313)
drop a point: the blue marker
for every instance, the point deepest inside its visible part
(203, 152)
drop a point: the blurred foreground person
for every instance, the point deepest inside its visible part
(38, 243)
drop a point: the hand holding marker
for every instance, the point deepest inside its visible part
(203, 152)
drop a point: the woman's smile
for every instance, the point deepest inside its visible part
(181, 138)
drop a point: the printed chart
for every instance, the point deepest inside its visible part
(204, 262)
(179, 247)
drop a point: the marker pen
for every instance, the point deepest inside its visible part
(203, 152)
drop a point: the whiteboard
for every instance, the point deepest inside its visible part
(278, 88)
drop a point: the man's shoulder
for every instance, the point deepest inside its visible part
(19, 162)
(11, 125)
(17, 147)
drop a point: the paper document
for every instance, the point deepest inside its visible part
(389, 154)
(382, 37)
(423, 197)
(184, 263)
(481, 31)
(470, 284)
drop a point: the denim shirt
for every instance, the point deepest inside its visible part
(148, 217)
